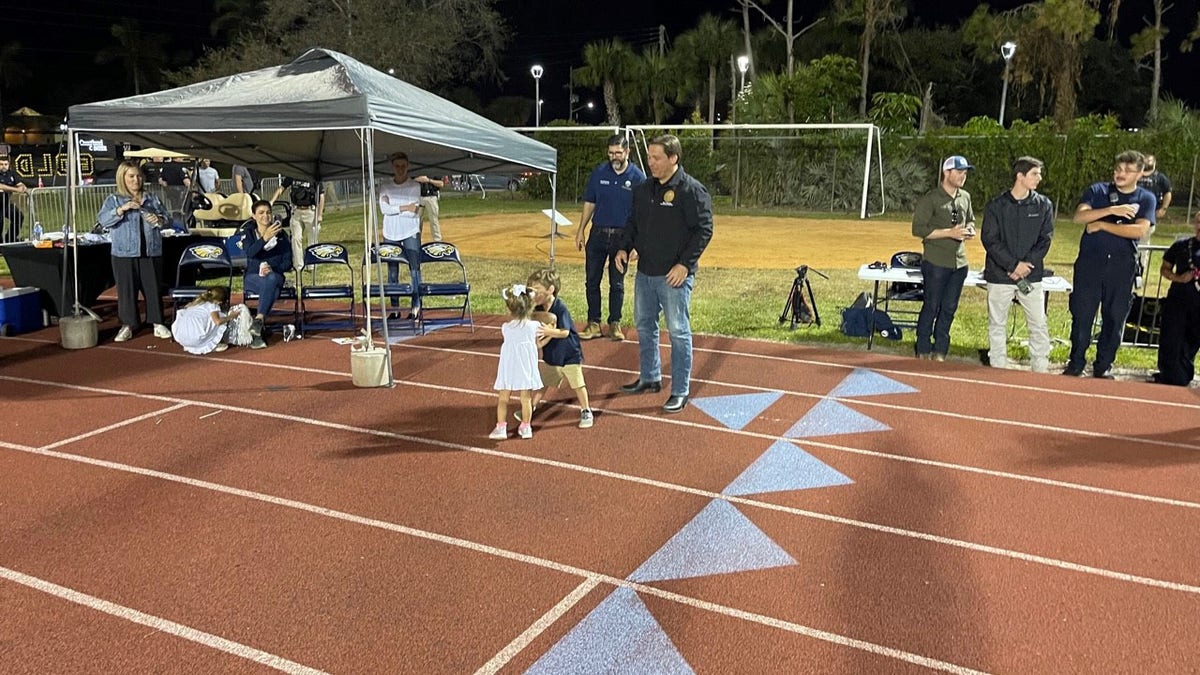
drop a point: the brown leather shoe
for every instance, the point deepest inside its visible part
(591, 332)
(614, 332)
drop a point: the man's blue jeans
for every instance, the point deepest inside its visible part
(943, 286)
(602, 245)
(652, 295)
(412, 253)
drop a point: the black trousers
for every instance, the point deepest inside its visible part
(600, 252)
(133, 275)
(1102, 283)
(1179, 340)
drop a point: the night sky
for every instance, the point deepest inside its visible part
(61, 39)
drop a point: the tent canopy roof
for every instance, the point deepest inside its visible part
(305, 119)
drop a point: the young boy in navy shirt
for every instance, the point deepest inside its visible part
(562, 357)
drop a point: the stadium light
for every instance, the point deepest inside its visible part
(743, 62)
(536, 71)
(1006, 52)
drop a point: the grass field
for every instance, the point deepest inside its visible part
(745, 300)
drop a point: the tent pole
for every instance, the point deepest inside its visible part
(369, 222)
(553, 214)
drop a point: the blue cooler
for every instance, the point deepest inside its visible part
(20, 310)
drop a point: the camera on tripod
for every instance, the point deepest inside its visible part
(798, 308)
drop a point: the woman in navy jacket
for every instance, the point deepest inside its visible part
(133, 217)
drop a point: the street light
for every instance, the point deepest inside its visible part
(536, 72)
(743, 62)
(576, 108)
(1006, 51)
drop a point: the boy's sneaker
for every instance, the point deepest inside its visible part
(614, 332)
(124, 334)
(162, 332)
(525, 431)
(499, 433)
(586, 419)
(591, 332)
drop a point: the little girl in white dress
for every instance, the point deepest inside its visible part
(201, 327)
(518, 369)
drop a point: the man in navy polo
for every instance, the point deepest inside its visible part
(606, 205)
(1114, 215)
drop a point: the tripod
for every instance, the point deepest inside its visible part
(801, 309)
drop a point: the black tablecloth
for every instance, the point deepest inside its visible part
(43, 269)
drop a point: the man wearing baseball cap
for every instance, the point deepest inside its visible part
(943, 220)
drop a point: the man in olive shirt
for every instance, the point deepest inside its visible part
(669, 226)
(943, 219)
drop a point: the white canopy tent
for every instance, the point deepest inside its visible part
(324, 115)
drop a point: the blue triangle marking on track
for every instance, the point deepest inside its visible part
(738, 410)
(785, 467)
(829, 418)
(718, 540)
(397, 338)
(866, 382)
(619, 636)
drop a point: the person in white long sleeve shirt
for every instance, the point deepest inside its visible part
(400, 203)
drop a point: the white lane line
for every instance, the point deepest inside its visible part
(505, 554)
(906, 373)
(538, 627)
(878, 404)
(115, 425)
(158, 623)
(215, 412)
(681, 489)
(994, 473)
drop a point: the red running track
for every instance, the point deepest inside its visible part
(254, 511)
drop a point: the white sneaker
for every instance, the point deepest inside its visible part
(161, 331)
(221, 346)
(586, 419)
(525, 431)
(499, 433)
(124, 334)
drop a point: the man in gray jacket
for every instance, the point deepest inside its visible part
(1017, 228)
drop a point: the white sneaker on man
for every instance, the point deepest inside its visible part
(124, 334)
(162, 332)
(586, 419)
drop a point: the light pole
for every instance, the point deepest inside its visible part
(1006, 50)
(536, 72)
(743, 62)
(576, 108)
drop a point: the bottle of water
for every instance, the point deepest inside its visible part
(36, 233)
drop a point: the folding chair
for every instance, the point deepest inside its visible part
(904, 292)
(325, 260)
(378, 258)
(447, 280)
(194, 260)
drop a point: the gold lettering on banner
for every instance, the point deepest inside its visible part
(32, 166)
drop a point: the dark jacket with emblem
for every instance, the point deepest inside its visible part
(670, 224)
(1016, 231)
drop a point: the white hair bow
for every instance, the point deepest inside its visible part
(514, 290)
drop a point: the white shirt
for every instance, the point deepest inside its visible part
(208, 179)
(400, 225)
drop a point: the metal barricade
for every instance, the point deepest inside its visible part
(1145, 313)
(48, 206)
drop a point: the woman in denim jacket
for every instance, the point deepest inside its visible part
(133, 218)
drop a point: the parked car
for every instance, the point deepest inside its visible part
(495, 181)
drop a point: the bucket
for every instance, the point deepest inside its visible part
(368, 367)
(78, 332)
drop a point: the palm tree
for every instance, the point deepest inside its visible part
(12, 73)
(654, 70)
(710, 44)
(141, 54)
(607, 64)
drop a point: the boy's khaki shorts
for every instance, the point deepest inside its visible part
(552, 376)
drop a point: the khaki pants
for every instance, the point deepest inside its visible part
(304, 233)
(429, 206)
(1000, 299)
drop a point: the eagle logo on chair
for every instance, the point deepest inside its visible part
(390, 251)
(207, 251)
(438, 250)
(327, 251)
